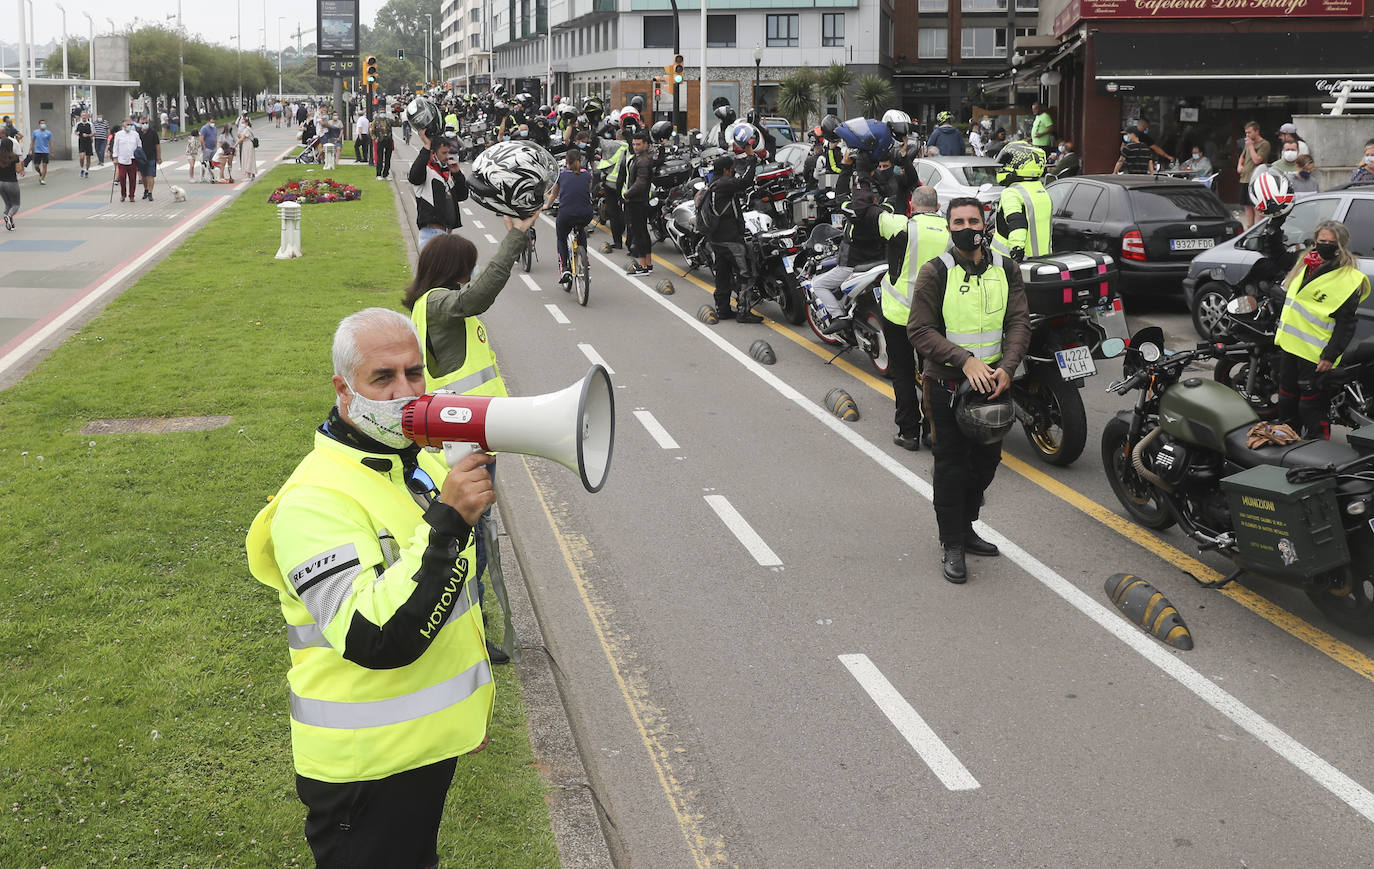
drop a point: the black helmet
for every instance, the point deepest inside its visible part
(726, 114)
(829, 124)
(512, 178)
(593, 108)
(981, 419)
(898, 121)
(423, 114)
(637, 101)
(661, 131)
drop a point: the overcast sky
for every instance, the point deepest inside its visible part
(212, 21)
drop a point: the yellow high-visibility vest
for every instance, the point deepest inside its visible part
(1032, 199)
(479, 374)
(975, 307)
(1306, 324)
(927, 236)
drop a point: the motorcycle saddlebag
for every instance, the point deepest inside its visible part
(1067, 281)
(1285, 530)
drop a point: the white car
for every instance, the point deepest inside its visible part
(953, 177)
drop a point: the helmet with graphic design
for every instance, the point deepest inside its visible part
(1270, 192)
(898, 121)
(512, 178)
(1020, 161)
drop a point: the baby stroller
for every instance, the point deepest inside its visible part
(308, 155)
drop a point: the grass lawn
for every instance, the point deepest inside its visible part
(143, 705)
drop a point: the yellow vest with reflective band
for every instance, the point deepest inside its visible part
(451, 120)
(1036, 239)
(350, 723)
(615, 163)
(975, 307)
(479, 374)
(927, 236)
(1306, 324)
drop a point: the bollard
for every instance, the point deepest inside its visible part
(290, 230)
(331, 152)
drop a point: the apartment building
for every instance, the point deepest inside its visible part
(465, 56)
(614, 48)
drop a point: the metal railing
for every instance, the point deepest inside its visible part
(1351, 96)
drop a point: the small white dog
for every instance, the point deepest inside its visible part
(178, 194)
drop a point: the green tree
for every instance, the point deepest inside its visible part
(834, 82)
(77, 56)
(797, 98)
(875, 94)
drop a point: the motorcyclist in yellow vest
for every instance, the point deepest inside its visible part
(611, 171)
(911, 243)
(444, 302)
(969, 321)
(368, 546)
(1319, 316)
(1023, 213)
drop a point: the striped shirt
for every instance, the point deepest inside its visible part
(102, 129)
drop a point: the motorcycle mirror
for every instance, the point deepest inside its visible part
(1242, 305)
(1113, 347)
(1149, 351)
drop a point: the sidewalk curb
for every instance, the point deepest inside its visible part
(573, 809)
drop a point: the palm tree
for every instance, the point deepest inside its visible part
(797, 98)
(834, 82)
(875, 93)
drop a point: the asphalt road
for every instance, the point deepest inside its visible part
(763, 665)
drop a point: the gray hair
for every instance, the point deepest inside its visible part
(347, 356)
(925, 197)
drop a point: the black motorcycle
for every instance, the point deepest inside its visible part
(1298, 513)
(771, 253)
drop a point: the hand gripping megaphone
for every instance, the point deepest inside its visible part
(575, 426)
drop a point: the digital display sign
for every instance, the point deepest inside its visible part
(337, 27)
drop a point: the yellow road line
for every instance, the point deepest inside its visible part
(650, 721)
(1341, 652)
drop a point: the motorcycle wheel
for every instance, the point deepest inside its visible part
(1353, 610)
(882, 363)
(831, 340)
(1060, 404)
(1233, 373)
(1208, 309)
(1141, 500)
(791, 300)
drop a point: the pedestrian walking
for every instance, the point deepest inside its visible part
(11, 168)
(85, 143)
(41, 150)
(101, 137)
(227, 146)
(124, 150)
(382, 144)
(209, 150)
(192, 157)
(152, 156)
(248, 148)
(362, 141)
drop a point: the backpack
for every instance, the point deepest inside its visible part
(708, 217)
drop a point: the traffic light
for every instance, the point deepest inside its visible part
(658, 86)
(370, 73)
(667, 75)
(677, 70)
(400, 54)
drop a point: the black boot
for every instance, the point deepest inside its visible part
(953, 563)
(496, 654)
(978, 546)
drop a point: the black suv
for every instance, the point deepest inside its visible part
(1153, 225)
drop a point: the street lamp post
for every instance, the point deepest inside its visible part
(63, 10)
(429, 49)
(758, 67)
(280, 19)
(90, 59)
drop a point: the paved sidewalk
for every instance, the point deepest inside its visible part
(75, 246)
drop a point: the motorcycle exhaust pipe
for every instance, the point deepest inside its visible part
(1138, 461)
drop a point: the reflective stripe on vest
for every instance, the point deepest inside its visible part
(479, 375)
(1307, 321)
(306, 637)
(342, 715)
(975, 307)
(927, 237)
(1036, 205)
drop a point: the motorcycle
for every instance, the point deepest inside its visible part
(1298, 512)
(771, 253)
(858, 294)
(682, 230)
(1075, 319)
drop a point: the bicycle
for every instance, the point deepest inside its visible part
(527, 258)
(579, 265)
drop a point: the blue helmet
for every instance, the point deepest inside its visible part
(743, 134)
(866, 134)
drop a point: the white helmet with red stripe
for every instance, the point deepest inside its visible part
(1270, 192)
(630, 116)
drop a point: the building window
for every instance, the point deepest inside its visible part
(727, 89)
(887, 35)
(720, 31)
(783, 31)
(932, 43)
(658, 31)
(1027, 5)
(475, 41)
(983, 5)
(1024, 31)
(927, 7)
(832, 28)
(475, 16)
(984, 42)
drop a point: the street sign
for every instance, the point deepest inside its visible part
(337, 26)
(332, 65)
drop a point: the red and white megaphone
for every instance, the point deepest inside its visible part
(575, 426)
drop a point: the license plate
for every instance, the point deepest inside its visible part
(1192, 243)
(837, 221)
(787, 263)
(1075, 363)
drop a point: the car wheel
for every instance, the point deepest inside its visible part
(1209, 308)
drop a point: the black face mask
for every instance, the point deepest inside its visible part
(967, 239)
(1327, 250)
(882, 176)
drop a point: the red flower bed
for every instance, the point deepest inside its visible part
(309, 192)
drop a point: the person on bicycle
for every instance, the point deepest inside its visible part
(573, 192)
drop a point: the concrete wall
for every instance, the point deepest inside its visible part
(1337, 144)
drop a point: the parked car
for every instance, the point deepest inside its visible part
(1152, 225)
(782, 130)
(1215, 276)
(794, 155)
(953, 177)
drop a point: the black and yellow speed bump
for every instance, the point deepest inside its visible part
(762, 351)
(1145, 606)
(707, 314)
(841, 403)
(665, 287)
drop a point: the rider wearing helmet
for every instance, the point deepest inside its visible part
(1023, 213)
(970, 323)
(725, 114)
(861, 244)
(946, 139)
(611, 171)
(439, 186)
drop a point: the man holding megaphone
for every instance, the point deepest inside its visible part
(369, 546)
